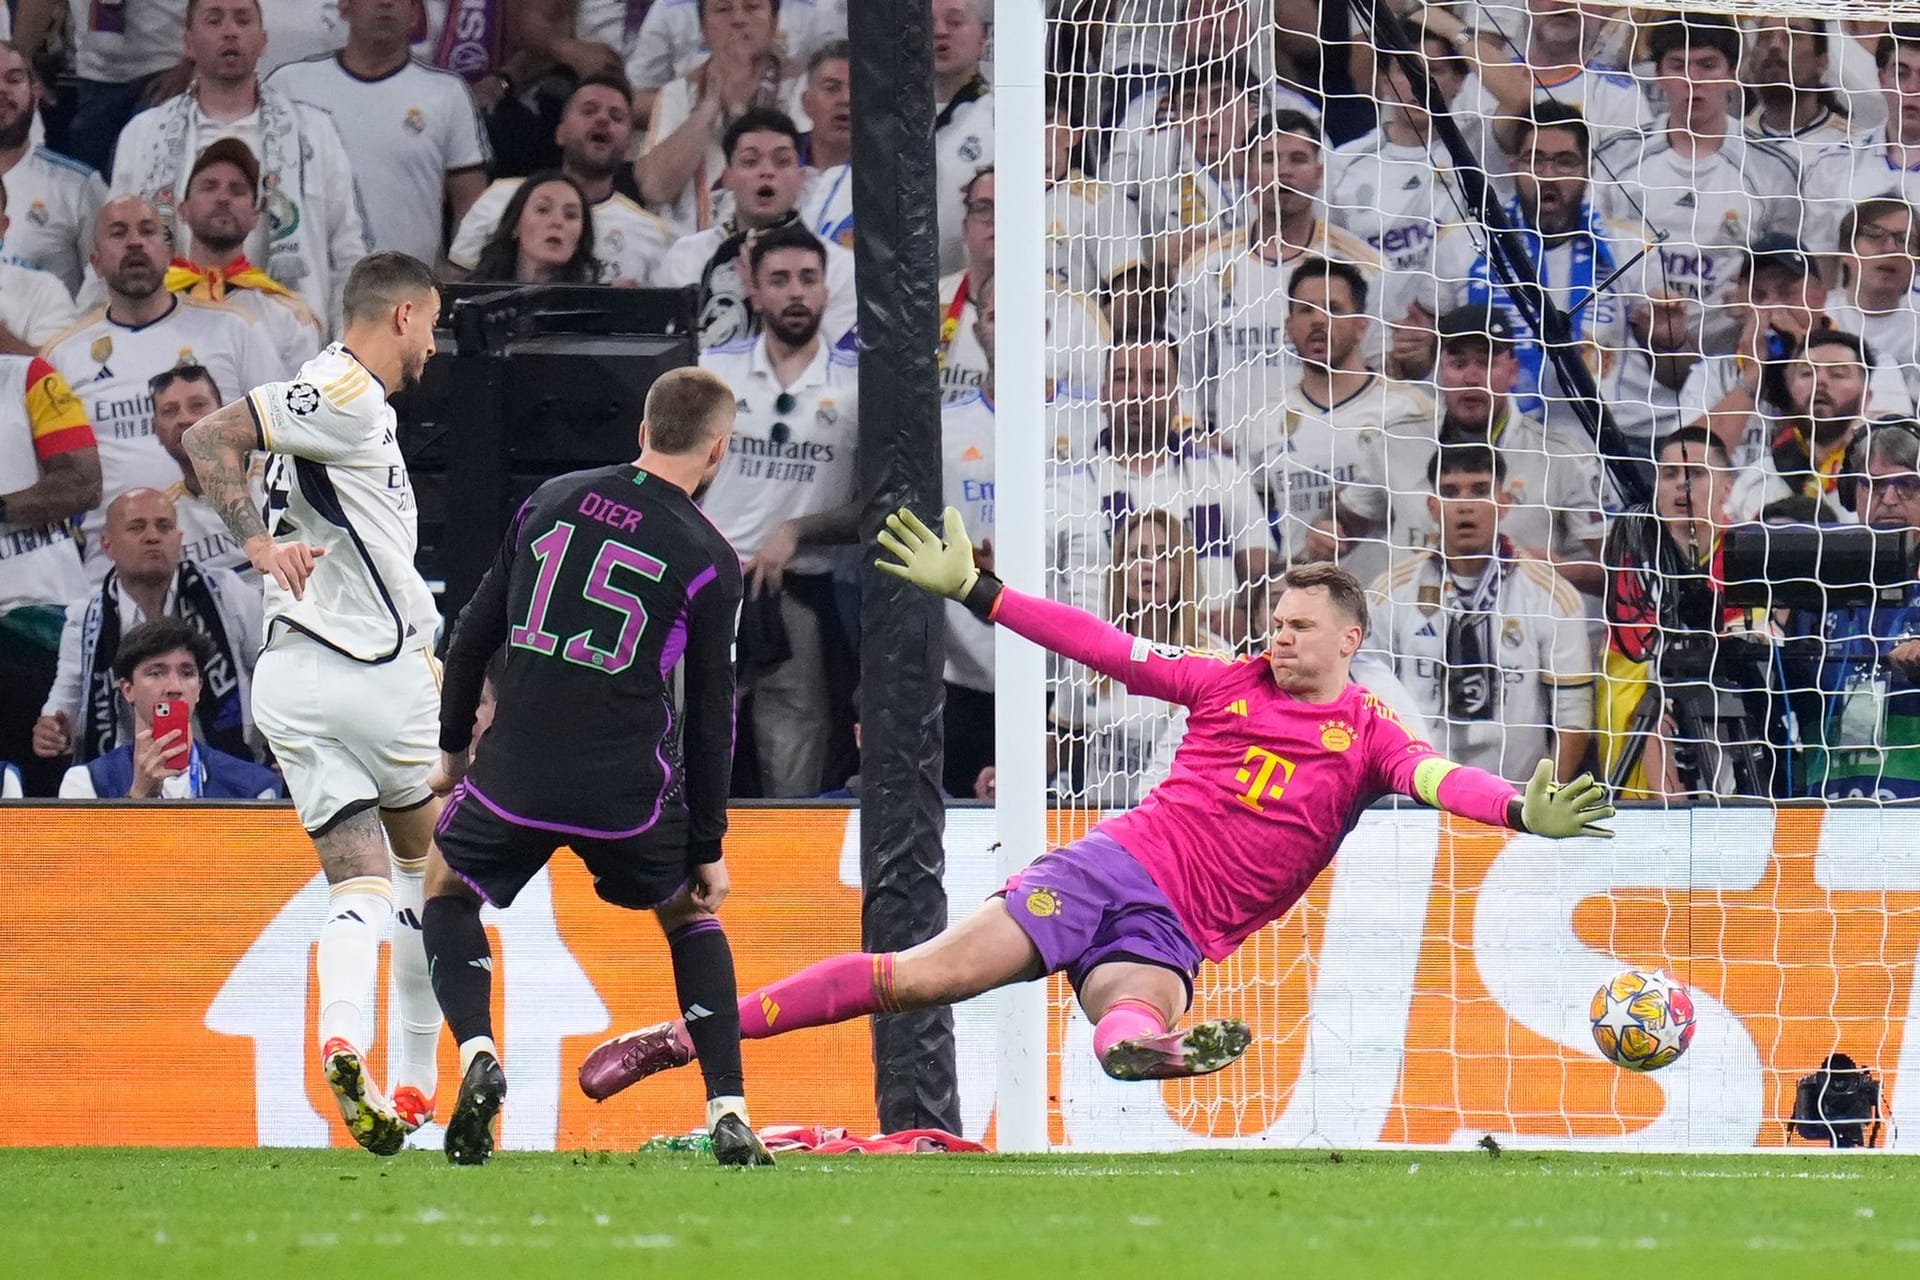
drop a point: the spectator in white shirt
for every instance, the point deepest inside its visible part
(412, 132)
(963, 115)
(221, 207)
(126, 54)
(785, 493)
(1785, 70)
(826, 205)
(1559, 66)
(764, 176)
(681, 158)
(34, 306)
(151, 578)
(56, 198)
(313, 230)
(595, 137)
(669, 41)
(1879, 248)
(545, 236)
(1696, 183)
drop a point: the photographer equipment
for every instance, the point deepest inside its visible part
(529, 381)
(1712, 681)
(1838, 1104)
(1819, 567)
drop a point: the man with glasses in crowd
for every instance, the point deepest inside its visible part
(1854, 672)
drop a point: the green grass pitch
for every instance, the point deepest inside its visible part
(111, 1213)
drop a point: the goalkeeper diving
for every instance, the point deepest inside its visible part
(1282, 754)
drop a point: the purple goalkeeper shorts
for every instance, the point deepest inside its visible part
(1089, 902)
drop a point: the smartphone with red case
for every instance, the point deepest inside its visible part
(170, 714)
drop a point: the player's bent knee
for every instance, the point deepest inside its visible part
(442, 882)
(680, 911)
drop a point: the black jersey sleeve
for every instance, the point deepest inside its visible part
(479, 631)
(713, 618)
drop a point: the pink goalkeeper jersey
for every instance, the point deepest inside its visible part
(1264, 786)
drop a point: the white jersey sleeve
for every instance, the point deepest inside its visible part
(331, 412)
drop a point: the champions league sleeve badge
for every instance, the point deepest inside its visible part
(302, 399)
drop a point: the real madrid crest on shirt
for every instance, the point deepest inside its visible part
(415, 121)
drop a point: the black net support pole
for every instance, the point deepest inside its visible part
(902, 630)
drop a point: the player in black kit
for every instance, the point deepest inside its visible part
(607, 581)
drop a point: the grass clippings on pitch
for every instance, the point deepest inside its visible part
(256, 1214)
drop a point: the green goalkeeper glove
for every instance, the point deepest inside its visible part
(943, 568)
(1576, 809)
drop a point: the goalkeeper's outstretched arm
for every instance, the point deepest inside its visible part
(945, 567)
(1544, 808)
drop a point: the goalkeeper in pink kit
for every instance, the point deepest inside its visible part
(1282, 754)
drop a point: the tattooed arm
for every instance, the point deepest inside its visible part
(219, 445)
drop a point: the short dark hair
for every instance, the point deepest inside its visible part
(1330, 269)
(1465, 457)
(831, 51)
(1213, 73)
(1698, 433)
(1342, 587)
(193, 7)
(700, 10)
(759, 120)
(1862, 353)
(183, 373)
(1557, 115)
(1876, 207)
(1286, 121)
(681, 405)
(1889, 45)
(149, 640)
(1695, 31)
(788, 235)
(383, 280)
(605, 80)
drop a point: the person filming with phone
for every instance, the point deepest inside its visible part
(158, 667)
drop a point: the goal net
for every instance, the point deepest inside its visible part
(1298, 332)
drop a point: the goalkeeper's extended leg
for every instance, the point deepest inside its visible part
(984, 951)
(1134, 1005)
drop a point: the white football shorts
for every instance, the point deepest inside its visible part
(348, 735)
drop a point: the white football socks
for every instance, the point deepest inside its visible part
(470, 1048)
(732, 1105)
(419, 1010)
(348, 958)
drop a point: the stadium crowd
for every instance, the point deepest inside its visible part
(1274, 334)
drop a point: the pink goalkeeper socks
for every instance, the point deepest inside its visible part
(1126, 1020)
(830, 991)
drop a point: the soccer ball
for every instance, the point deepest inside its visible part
(1642, 1021)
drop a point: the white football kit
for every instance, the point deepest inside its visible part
(347, 692)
